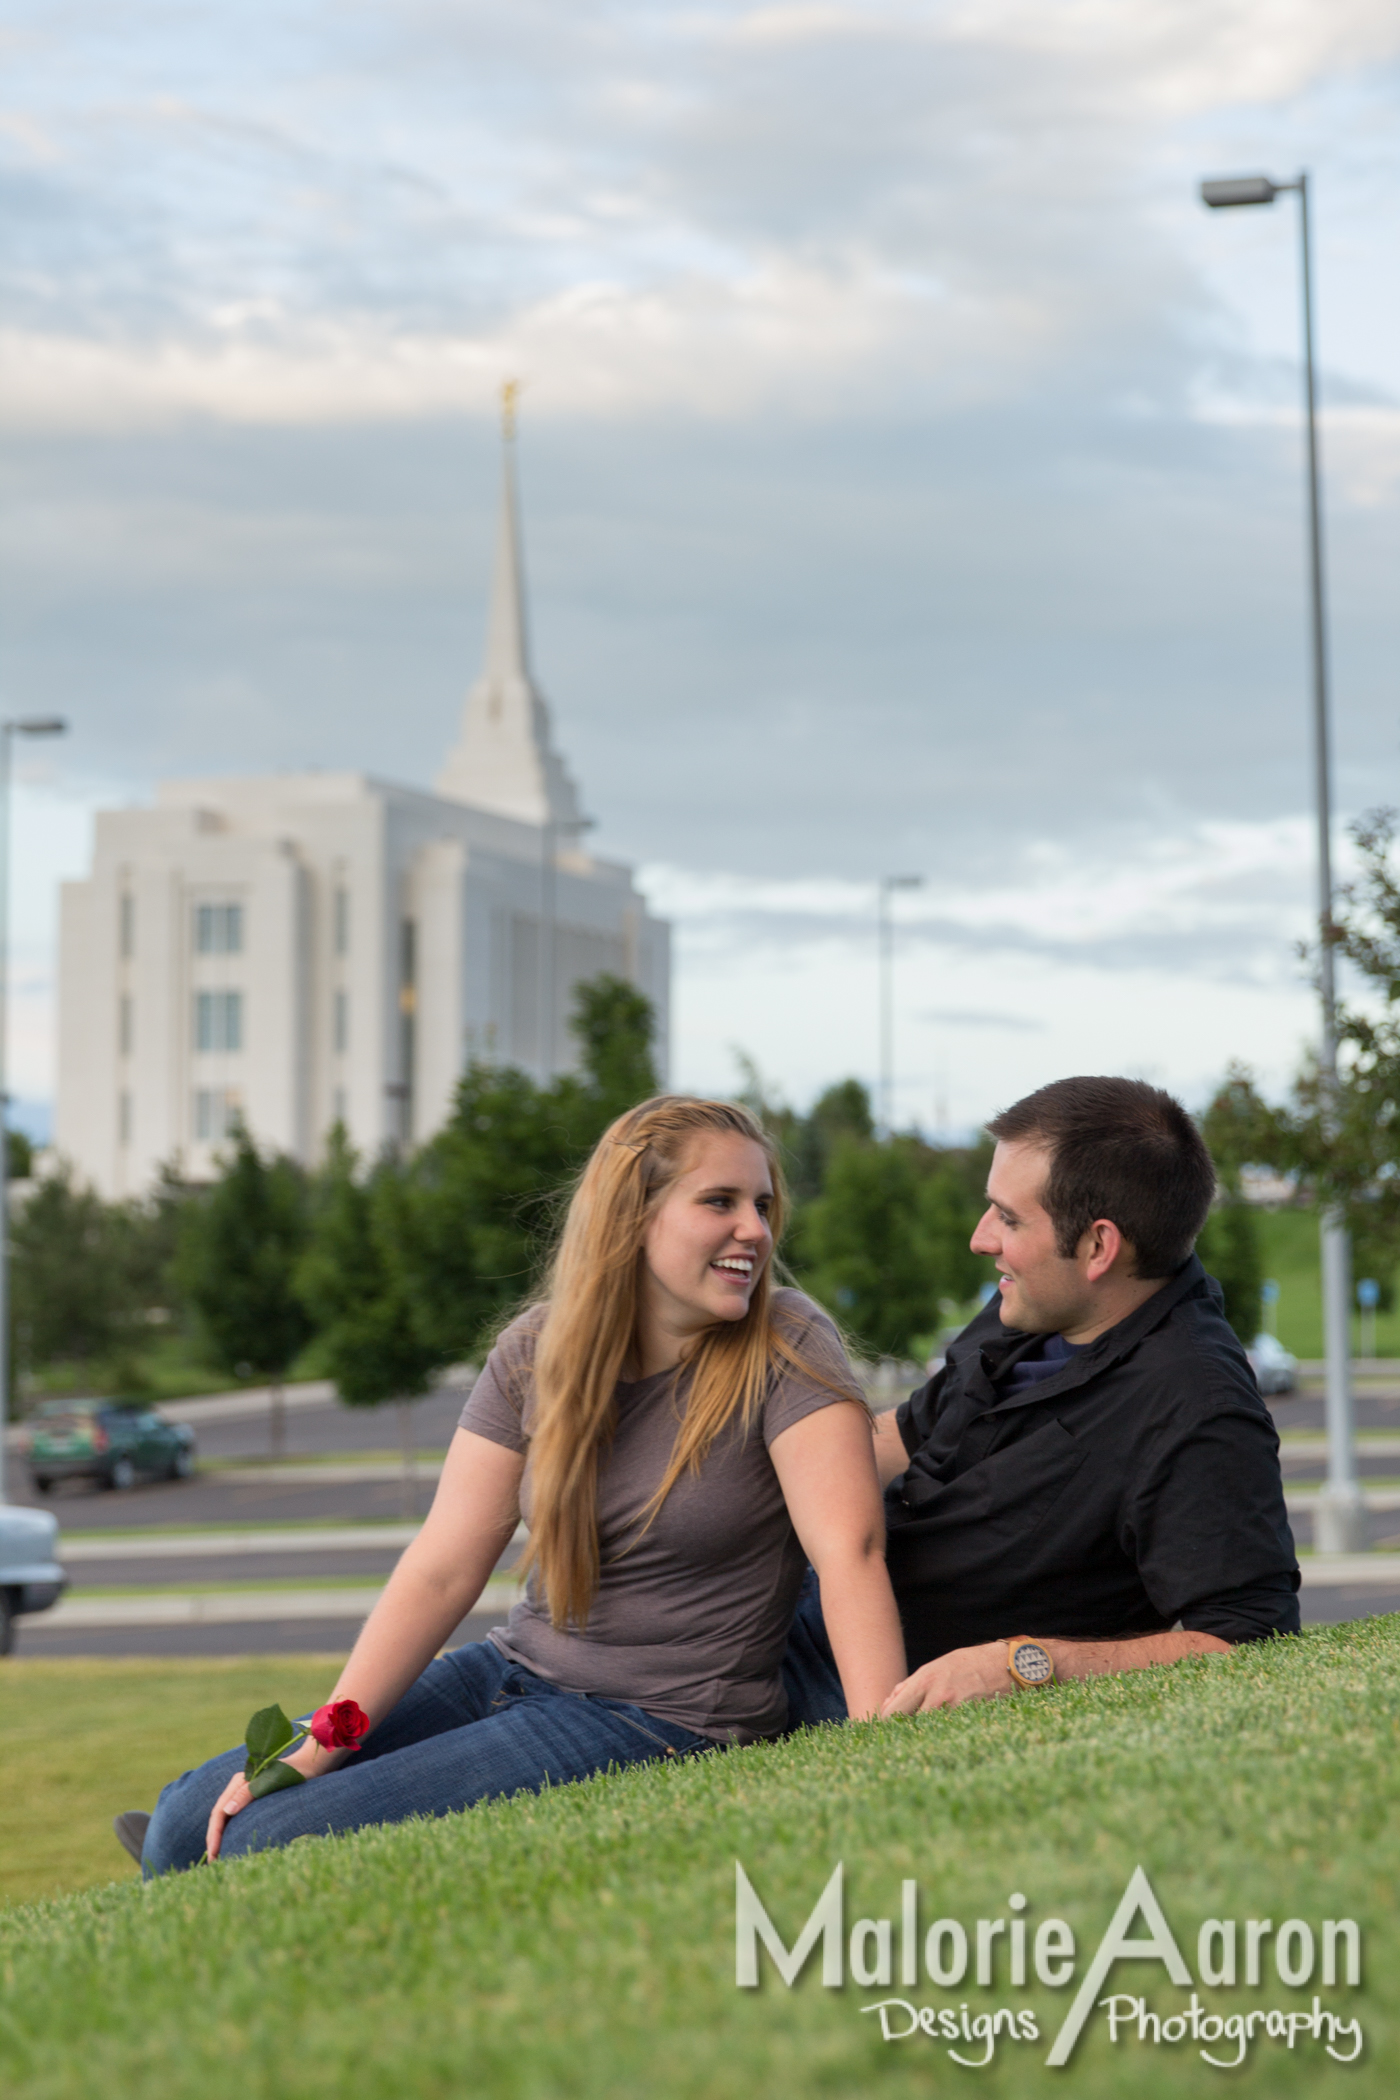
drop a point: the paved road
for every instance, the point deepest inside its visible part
(208, 1499)
(235, 1426)
(272, 1637)
(1377, 1404)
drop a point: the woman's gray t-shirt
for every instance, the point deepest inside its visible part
(691, 1616)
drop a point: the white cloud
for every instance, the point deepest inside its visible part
(1228, 899)
(911, 465)
(715, 212)
(1166, 965)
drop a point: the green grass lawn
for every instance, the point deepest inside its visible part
(429, 1455)
(582, 1942)
(107, 1533)
(1288, 1243)
(81, 1740)
(252, 1585)
(170, 1367)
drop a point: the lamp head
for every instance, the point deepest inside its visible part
(1241, 189)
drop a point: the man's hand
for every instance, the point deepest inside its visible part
(981, 1673)
(964, 1673)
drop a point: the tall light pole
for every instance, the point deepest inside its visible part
(549, 929)
(1340, 1524)
(888, 885)
(30, 725)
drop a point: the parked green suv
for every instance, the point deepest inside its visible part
(114, 1442)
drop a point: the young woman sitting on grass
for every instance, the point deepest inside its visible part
(681, 1439)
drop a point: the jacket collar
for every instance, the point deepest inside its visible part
(985, 1349)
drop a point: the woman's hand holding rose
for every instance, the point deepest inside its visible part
(331, 1735)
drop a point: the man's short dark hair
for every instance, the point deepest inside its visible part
(1122, 1150)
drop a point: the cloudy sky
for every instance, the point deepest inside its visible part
(911, 465)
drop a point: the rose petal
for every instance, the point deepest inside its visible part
(340, 1725)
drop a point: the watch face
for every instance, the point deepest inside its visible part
(1030, 1661)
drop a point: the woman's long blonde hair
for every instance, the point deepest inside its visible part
(590, 1327)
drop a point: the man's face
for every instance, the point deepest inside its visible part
(1042, 1291)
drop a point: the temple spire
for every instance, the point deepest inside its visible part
(507, 653)
(504, 759)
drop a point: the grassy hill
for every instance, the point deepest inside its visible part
(81, 1739)
(1288, 1246)
(582, 1942)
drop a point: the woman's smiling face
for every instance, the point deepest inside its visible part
(705, 1246)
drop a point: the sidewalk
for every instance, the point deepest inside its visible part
(185, 1608)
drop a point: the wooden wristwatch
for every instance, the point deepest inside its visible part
(1029, 1664)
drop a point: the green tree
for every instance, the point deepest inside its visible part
(953, 1200)
(90, 1279)
(876, 1243)
(150, 1234)
(356, 1284)
(1242, 1130)
(879, 1231)
(485, 1194)
(235, 1262)
(843, 1111)
(1342, 1149)
(1229, 1248)
(68, 1301)
(615, 1025)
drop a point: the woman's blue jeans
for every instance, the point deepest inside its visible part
(473, 1727)
(810, 1676)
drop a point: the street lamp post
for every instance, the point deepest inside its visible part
(549, 929)
(32, 725)
(888, 884)
(1340, 1523)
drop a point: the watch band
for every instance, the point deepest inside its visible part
(1030, 1664)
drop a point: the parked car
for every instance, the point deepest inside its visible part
(1274, 1367)
(30, 1577)
(114, 1442)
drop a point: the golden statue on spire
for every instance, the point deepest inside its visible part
(510, 398)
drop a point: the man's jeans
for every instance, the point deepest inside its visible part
(810, 1676)
(474, 1726)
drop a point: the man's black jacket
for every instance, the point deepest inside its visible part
(1135, 1489)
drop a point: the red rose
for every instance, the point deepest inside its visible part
(340, 1726)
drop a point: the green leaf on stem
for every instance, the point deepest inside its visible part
(272, 1778)
(268, 1733)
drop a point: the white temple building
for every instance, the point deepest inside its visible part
(308, 947)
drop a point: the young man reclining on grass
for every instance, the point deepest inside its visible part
(1091, 1481)
(683, 1440)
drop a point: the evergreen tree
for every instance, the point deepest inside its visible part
(235, 1262)
(485, 1194)
(615, 1025)
(843, 1111)
(355, 1283)
(1229, 1248)
(952, 1201)
(68, 1296)
(886, 1242)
